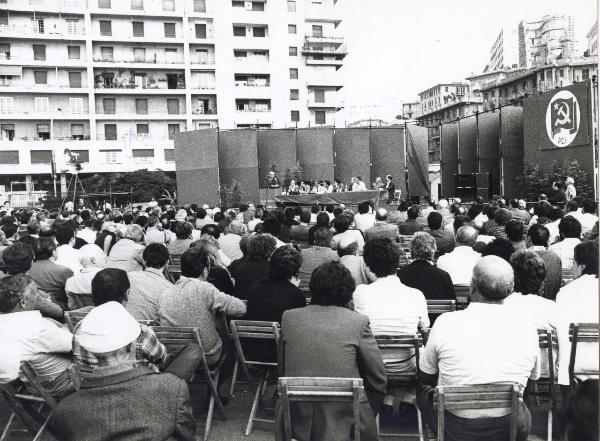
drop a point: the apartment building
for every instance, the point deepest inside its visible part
(115, 80)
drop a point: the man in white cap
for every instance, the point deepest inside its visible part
(571, 191)
(121, 399)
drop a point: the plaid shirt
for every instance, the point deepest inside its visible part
(147, 349)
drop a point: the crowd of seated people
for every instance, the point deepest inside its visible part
(523, 269)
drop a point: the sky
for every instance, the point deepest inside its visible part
(397, 48)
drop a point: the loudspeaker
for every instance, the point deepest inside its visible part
(469, 185)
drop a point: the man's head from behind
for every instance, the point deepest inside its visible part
(155, 256)
(569, 228)
(17, 294)
(515, 230)
(45, 249)
(64, 235)
(466, 236)
(110, 285)
(381, 215)
(381, 256)
(538, 235)
(492, 280)
(413, 212)
(323, 237)
(18, 258)
(502, 216)
(363, 207)
(422, 246)
(434, 221)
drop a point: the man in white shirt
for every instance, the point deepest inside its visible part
(460, 262)
(342, 227)
(88, 233)
(482, 344)
(32, 337)
(230, 242)
(588, 218)
(570, 233)
(358, 184)
(66, 255)
(578, 302)
(364, 219)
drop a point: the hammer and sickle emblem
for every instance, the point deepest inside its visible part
(563, 112)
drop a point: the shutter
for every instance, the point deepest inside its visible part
(109, 105)
(141, 106)
(76, 129)
(173, 107)
(74, 79)
(170, 30)
(106, 52)
(76, 105)
(138, 28)
(6, 104)
(139, 54)
(143, 153)
(110, 132)
(200, 30)
(84, 155)
(39, 52)
(137, 5)
(142, 129)
(41, 156)
(74, 52)
(105, 28)
(199, 5)
(9, 157)
(40, 77)
(41, 104)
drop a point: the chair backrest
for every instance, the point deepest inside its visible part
(173, 269)
(463, 296)
(256, 330)
(74, 317)
(484, 396)
(33, 379)
(176, 337)
(175, 260)
(80, 300)
(567, 275)
(389, 346)
(319, 390)
(440, 306)
(581, 333)
(548, 342)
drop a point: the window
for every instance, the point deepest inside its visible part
(173, 130)
(171, 55)
(294, 94)
(562, 73)
(77, 133)
(74, 79)
(141, 129)
(7, 131)
(291, 29)
(295, 115)
(76, 105)
(41, 156)
(43, 131)
(41, 104)
(110, 132)
(585, 74)
(202, 56)
(239, 31)
(137, 5)
(293, 51)
(111, 156)
(74, 52)
(169, 155)
(139, 54)
(200, 30)
(39, 51)
(106, 52)
(170, 30)
(5, 51)
(168, 5)
(319, 117)
(6, 104)
(104, 4)
(143, 155)
(173, 106)
(141, 106)
(108, 105)
(293, 73)
(317, 31)
(138, 28)
(3, 17)
(259, 32)
(199, 5)
(319, 96)
(72, 26)
(40, 76)
(9, 157)
(258, 6)
(84, 155)
(291, 5)
(237, 3)
(38, 25)
(105, 28)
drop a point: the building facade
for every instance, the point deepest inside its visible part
(504, 53)
(115, 80)
(592, 39)
(545, 40)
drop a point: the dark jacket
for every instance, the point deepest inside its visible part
(134, 405)
(382, 229)
(246, 273)
(444, 241)
(330, 341)
(411, 226)
(219, 277)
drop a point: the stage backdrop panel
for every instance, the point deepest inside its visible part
(197, 165)
(314, 150)
(352, 154)
(387, 155)
(275, 148)
(467, 142)
(449, 157)
(238, 160)
(511, 149)
(417, 153)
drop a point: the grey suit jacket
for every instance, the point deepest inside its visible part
(330, 341)
(382, 230)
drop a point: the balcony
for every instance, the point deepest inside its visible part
(48, 6)
(324, 80)
(52, 31)
(16, 114)
(8, 59)
(19, 86)
(128, 116)
(149, 62)
(309, 48)
(323, 14)
(324, 39)
(328, 103)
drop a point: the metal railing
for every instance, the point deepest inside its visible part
(133, 59)
(49, 29)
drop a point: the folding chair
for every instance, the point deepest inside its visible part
(437, 307)
(484, 396)
(567, 276)
(463, 296)
(74, 317)
(319, 390)
(581, 333)
(76, 301)
(388, 345)
(173, 269)
(257, 331)
(176, 338)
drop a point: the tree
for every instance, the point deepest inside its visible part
(295, 173)
(143, 184)
(533, 181)
(571, 168)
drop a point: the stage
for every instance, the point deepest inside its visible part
(346, 198)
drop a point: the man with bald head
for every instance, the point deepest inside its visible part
(460, 262)
(381, 227)
(482, 344)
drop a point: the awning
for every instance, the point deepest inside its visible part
(15, 71)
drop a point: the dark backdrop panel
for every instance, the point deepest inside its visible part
(275, 148)
(387, 156)
(468, 166)
(513, 166)
(315, 153)
(467, 139)
(197, 165)
(511, 130)
(489, 132)
(352, 154)
(238, 161)
(492, 166)
(449, 157)
(418, 161)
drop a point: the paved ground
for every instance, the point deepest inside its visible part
(237, 412)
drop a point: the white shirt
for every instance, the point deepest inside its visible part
(480, 345)
(355, 235)
(479, 220)
(253, 223)
(230, 245)
(88, 235)
(565, 250)
(459, 264)
(359, 186)
(68, 256)
(578, 302)
(553, 230)
(587, 220)
(364, 221)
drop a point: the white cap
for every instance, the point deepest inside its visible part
(106, 328)
(181, 215)
(91, 251)
(205, 206)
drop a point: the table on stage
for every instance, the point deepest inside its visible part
(346, 198)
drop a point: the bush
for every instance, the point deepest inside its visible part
(533, 180)
(231, 195)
